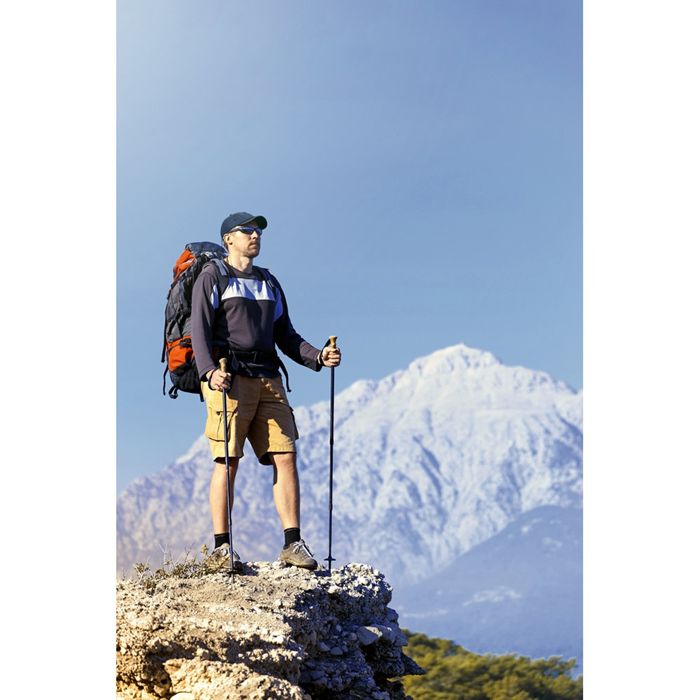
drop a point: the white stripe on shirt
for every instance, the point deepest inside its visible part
(245, 288)
(254, 289)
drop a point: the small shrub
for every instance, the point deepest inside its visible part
(186, 567)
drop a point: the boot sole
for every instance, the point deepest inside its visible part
(299, 566)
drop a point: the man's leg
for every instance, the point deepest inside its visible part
(217, 492)
(285, 488)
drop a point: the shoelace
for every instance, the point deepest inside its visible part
(298, 546)
(224, 552)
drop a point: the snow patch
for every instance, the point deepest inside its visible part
(493, 595)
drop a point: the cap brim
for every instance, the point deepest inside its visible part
(260, 220)
(241, 219)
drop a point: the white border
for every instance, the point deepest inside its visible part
(640, 348)
(59, 452)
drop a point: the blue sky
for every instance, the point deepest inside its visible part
(420, 166)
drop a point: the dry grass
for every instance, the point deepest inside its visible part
(187, 566)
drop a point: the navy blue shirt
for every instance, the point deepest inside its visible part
(250, 313)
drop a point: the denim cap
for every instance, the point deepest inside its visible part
(240, 218)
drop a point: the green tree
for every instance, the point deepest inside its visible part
(454, 673)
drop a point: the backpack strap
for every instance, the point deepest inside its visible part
(222, 274)
(265, 275)
(223, 277)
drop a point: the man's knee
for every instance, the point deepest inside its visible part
(285, 463)
(220, 462)
(283, 460)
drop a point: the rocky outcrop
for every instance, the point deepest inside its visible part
(270, 632)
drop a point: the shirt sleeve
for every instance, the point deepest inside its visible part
(205, 301)
(289, 341)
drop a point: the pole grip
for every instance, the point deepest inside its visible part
(332, 340)
(222, 364)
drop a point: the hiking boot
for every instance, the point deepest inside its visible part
(220, 560)
(298, 554)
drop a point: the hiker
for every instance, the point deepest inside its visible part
(243, 324)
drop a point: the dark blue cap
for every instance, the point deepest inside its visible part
(240, 218)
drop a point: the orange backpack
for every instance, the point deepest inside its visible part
(177, 340)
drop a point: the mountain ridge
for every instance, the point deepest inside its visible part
(468, 441)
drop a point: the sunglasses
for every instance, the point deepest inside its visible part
(248, 230)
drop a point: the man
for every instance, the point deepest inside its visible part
(242, 318)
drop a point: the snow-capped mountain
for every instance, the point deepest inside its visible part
(429, 462)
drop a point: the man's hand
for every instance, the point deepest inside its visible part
(219, 380)
(330, 357)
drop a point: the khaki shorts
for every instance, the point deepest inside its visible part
(257, 409)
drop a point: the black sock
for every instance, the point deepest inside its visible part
(291, 534)
(223, 538)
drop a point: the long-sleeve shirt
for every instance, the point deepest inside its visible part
(249, 314)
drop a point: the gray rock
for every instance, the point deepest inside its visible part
(385, 632)
(367, 635)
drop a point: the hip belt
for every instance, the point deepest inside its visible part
(260, 357)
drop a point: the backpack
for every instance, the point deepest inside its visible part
(177, 340)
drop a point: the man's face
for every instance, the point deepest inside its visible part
(244, 242)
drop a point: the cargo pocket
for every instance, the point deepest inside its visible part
(214, 429)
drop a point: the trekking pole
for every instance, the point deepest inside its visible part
(330, 558)
(222, 367)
